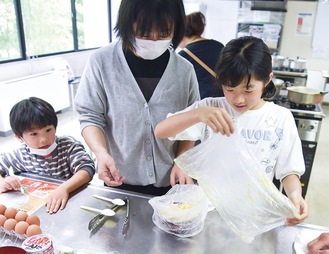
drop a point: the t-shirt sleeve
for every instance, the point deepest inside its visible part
(291, 160)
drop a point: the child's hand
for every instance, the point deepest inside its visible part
(9, 183)
(302, 208)
(217, 119)
(57, 200)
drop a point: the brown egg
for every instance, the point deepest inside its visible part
(33, 230)
(2, 219)
(10, 213)
(21, 216)
(33, 219)
(10, 224)
(2, 209)
(21, 227)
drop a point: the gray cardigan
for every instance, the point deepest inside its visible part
(109, 97)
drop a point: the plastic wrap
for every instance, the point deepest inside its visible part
(235, 184)
(181, 211)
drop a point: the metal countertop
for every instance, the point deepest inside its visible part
(70, 228)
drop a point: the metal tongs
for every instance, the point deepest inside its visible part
(125, 224)
(98, 221)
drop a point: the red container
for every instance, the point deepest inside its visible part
(12, 250)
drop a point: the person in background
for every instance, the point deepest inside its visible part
(207, 50)
(319, 245)
(128, 87)
(34, 123)
(245, 73)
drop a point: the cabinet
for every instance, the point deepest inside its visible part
(270, 33)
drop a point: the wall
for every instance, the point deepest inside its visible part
(38, 65)
(294, 44)
(221, 25)
(50, 86)
(221, 20)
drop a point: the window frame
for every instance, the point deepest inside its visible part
(21, 34)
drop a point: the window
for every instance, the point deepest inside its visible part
(33, 28)
(92, 23)
(48, 26)
(9, 42)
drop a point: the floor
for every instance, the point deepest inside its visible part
(318, 191)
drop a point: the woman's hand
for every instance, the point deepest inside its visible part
(107, 170)
(178, 176)
(319, 245)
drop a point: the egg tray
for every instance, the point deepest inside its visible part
(11, 238)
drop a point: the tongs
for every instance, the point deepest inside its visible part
(96, 222)
(125, 225)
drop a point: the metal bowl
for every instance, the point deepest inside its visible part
(305, 95)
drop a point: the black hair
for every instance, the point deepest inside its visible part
(31, 113)
(163, 15)
(195, 24)
(245, 57)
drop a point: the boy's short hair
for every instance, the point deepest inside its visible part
(31, 113)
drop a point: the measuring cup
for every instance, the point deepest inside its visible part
(106, 212)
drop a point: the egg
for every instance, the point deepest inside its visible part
(2, 220)
(10, 224)
(21, 216)
(33, 230)
(2, 209)
(33, 219)
(10, 213)
(21, 227)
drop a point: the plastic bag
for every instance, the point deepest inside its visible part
(241, 192)
(181, 211)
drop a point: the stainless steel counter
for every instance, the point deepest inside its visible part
(70, 228)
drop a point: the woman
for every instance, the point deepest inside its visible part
(207, 50)
(130, 86)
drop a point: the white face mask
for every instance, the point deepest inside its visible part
(150, 50)
(44, 152)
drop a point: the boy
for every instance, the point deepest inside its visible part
(34, 123)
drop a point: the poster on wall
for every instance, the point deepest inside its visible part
(320, 42)
(304, 24)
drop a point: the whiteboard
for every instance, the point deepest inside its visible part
(321, 31)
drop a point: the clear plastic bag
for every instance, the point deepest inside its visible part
(181, 211)
(241, 192)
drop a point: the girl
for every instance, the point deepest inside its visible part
(244, 72)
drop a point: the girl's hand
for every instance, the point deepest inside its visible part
(302, 208)
(9, 183)
(217, 119)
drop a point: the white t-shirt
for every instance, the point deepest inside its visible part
(269, 132)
